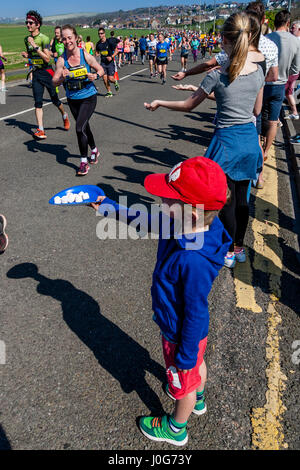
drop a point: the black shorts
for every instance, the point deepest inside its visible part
(152, 57)
(185, 56)
(42, 79)
(1, 65)
(162, 60)
(109, 69)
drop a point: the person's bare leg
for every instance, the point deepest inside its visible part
(203, 375)
(270, 136)
(39, 117)
(106, 83)
(292, 103)
(184, 407)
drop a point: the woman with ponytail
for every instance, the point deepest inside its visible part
(238, 90)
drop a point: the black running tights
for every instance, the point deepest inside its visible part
(82, 111)
(235, 214)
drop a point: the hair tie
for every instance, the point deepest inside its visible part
(242, 30)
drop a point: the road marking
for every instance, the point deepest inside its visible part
(27, 110)
(244, 290)
(46, 104)
(134, 73)
(267, 421)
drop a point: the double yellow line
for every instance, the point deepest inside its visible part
(267, 431)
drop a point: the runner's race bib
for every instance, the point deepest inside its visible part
(104, 53)
(79, 72)
(37, 61)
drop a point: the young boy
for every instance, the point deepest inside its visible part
(182, 279)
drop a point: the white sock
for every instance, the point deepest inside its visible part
(84, 160)
(41, 128)
(65, 116)
(95, 150)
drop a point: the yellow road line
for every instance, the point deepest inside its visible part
(267, 421)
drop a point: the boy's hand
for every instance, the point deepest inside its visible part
(96, 205)
(184, 371)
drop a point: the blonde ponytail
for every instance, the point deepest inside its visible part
(237, 31)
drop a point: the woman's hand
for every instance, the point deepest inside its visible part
(179, 76)
(65, 72)
(152, 106)
(92, 76)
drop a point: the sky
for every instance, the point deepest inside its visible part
(18, 8)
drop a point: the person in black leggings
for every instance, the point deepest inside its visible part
(235, 215)
(74, 68)
(82, 112)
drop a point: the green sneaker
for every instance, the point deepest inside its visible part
(117, 86)
(109, 94)
(157, 429)
(200, 406)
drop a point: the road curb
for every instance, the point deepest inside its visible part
(290, 131)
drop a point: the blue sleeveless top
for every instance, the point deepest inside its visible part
(89, 89)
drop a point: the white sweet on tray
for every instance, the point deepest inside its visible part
(78, 198)
(71, 197)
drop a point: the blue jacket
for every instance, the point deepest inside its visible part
(143, 44)
(182, 280)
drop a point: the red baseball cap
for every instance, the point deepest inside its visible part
(197, 180)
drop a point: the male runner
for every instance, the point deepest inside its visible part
(152, 55)
(38, 51)
(56, 44)
(107, 52)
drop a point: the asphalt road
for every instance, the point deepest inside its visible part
(83, 356)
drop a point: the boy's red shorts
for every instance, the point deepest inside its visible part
(181, 384)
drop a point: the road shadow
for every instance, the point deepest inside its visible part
(272, 214)
(268, 277)
(23, 126)
(189, 134)
(4, 442)
(58, 150)
(132, 175)
(132, 198)
(165, 157)
(130, 123)
(119, 354)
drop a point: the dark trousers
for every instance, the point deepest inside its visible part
(235, 214)
(82, 111)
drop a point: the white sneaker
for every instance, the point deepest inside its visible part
(230, 260)
(293, 117)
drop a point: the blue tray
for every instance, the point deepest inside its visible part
(94, 192)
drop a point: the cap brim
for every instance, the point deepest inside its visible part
(157, 185)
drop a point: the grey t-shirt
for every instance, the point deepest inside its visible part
(288, 55)
(236, 100)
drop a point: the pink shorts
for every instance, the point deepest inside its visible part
(290, 84)
(181, 384)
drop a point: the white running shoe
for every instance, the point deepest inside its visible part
(230, 260)
(294, 117)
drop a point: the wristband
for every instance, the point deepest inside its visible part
(98, 76)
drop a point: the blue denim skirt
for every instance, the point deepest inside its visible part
(236, 149)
